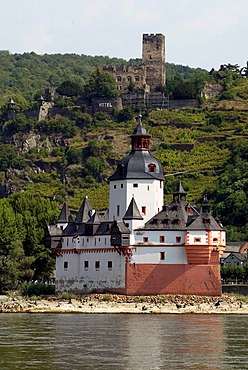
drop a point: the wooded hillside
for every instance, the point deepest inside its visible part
(72, 155)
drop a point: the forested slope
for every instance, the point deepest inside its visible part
(43, 163)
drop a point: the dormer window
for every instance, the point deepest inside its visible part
(151, 167)
(175, 222)
(206, 221)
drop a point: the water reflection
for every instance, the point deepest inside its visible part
(72, 341)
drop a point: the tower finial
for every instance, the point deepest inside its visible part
(140, 119)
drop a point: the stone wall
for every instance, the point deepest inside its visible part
(183, 103)
(153, 59)
(235, 289)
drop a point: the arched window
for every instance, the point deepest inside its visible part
(137, 78)
(151, 167)
(129, 78)
(119, 78)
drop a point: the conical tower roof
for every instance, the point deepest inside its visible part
(84, 212)
(65, 214)
(205, 207)
(133, 212)
(180, 192)
(95, 219)
(140, 129)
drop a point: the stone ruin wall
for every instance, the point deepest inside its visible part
(153, 59)
(150, 74)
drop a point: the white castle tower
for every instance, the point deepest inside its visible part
(139, 176)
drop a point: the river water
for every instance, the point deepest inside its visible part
(118, 341)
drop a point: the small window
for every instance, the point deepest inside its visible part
(197, 240)
(122, 186)
(148, 188)
(87, 240)
(118, 210)
(129, 78)
(178, 239)
(161, 238)
(118, 87)
(127, 224)
(105, 241)
(215, 240)
(97, 265)
(145, 239)
(110, 265)
(143, 210)
(99, 239)
(162, 256)
(114, 186)
(86, 265)
(137, 78)
(135, 185)
(119, 78)
(66, 265)
(161, 184)
(151, 167)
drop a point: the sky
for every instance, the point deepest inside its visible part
(199, 33)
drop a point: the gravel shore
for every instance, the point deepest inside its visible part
(110, 303)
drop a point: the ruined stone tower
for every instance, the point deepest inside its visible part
(153, 59)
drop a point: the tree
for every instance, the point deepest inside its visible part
(69, 88)
(35, 213)
(100, 85)
(14, 265)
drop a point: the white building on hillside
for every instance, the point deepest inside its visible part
(140, 246)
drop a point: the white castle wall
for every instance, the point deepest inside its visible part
(170, 237)
(147, 193)
(76, 277)
(152, 255)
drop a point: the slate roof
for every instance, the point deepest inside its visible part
(234, 246)
(135, 166)
(140, 129)
(205, 222)
(65, 214)
(241, 257)
(95, 219)
(174, 216)
(119, 226)
(180, 192)
(133, 212)
(102, 228)
(84, 212)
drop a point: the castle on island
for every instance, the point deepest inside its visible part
(140, 246)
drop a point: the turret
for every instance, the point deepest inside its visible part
(138, 176)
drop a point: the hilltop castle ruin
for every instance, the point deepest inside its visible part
(150, 74)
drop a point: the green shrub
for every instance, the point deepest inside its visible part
(32, 289)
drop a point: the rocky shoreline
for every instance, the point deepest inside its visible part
(111, 303)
